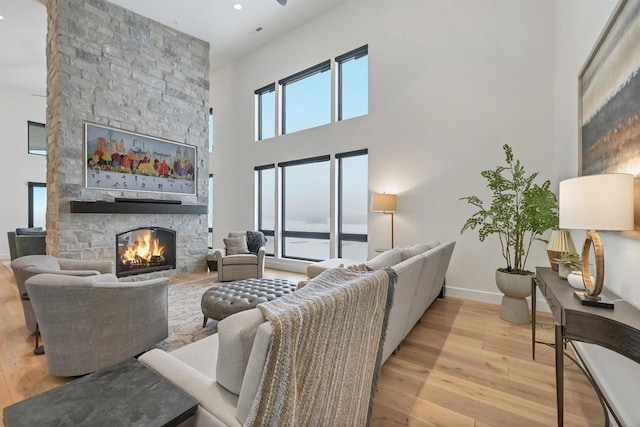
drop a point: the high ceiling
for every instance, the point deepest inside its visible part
(231, 33)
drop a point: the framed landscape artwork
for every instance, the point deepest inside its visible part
(609, 86)
(120, 160)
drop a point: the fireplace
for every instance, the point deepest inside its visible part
(144, 250)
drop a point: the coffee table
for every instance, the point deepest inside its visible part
(128, 394)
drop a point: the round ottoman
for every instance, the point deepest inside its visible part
(226, 299)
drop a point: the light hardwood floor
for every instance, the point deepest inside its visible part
(460, 366)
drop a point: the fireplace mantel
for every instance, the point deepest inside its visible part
(140, 207)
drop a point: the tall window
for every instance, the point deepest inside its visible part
(306, 98)
(352, 205)
(37, 204)
(266, 104)
(306, 212)
(210, 210)
(267, 204)
(353, 83)
(37, 138)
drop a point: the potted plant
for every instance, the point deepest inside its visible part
(568, 263)
(520, 213)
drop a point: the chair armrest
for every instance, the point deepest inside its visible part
(81, 273)
(101, 266)
(220, 253)
(261, 253)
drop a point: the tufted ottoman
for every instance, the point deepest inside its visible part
(226, 299)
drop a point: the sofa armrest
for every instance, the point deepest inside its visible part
(204, 390)
(102, 266)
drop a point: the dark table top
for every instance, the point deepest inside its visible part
(128, 394)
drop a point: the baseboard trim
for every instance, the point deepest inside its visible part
(490, 297)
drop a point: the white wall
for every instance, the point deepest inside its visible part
(449, 84)
(578, 26)
(18, 167)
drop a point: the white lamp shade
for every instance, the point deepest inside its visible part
(597, 202)
(383, 202)
(561, 241)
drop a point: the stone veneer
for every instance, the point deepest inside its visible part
(110, 66)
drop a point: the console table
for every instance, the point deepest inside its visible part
(128, 394)
(617, 329)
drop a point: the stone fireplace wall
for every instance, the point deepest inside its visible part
(109, 66)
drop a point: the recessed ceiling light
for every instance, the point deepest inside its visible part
(1, 17)
(237, 6)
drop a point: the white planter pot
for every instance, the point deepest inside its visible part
(516, 288)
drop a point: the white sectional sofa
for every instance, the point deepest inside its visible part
(421, 270)
(222, 372)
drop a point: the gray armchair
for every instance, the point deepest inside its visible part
(27, 241)
(28, 266)
(91, 323)
(243, 265)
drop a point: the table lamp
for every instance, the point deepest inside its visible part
(596, 202)
(385, 203)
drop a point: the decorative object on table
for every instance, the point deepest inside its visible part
(560, 244)
(520, 213)
(576, 281)
(127, 161)
(567, 263)
(609, 101)
(596, 202)
(385, 203)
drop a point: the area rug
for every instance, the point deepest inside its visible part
(185, 314)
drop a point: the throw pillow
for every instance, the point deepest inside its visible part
(418, 249)
(386, 259)
(255, 240)
(236, 245)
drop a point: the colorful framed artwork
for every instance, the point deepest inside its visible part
(609, 104)
(127, 161)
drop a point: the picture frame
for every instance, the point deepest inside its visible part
(609, 102)
(127, 161)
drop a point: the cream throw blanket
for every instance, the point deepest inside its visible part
(324, 359)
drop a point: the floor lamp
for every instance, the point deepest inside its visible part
(385, 203)
(596, 202)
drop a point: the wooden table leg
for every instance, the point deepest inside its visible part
(533, 319)
(559, 374)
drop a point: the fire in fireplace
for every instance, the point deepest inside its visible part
(144, 250)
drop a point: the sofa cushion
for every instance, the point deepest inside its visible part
(253, 374)
(417, 249)
(318, 267)
(386, 259)
(255, 240)
(236, 334)
(240, 259)
(236, 245)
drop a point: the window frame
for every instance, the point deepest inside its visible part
(340, 59)
(31, 186)
(266, 232)
(210, 225)
(271, 87)
(30, 124)
(301, 75)
(349, 237)
(299, 234)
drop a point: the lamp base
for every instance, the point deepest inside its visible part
(599, 301)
